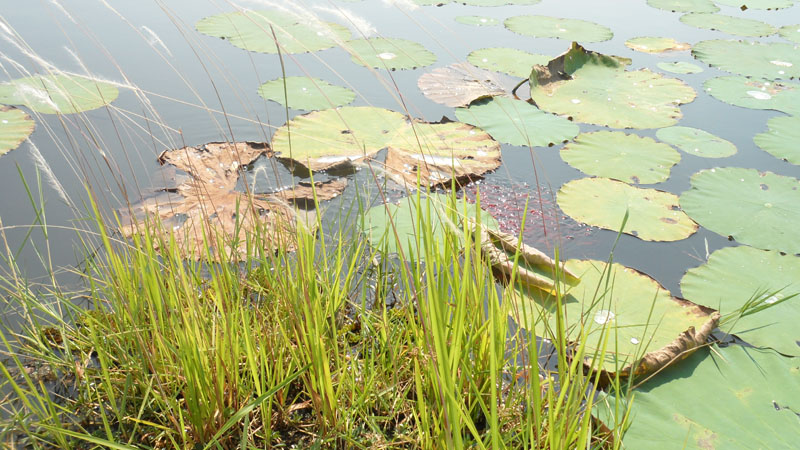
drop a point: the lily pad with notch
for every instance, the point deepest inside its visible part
(653, 215)
(389, 53)
(697, 142)
(737, 26)
(647, 44)
(757, 4)
(783, 138)
(755, 94)
(685, 6)
(557, 27)
(680, 67)
(58, 94)
(511, 61)
(15, 127)
(305, 93)
(772, 61)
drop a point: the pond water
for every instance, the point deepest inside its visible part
(190, 78)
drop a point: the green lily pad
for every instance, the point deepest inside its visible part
(735, 275)
(555, 27)
(498, 2)
(697, 142)
(514, 62)
(791, 33)
(782, 140)
(680, 67)
(15, 127)
(732, 397)
(333, 137)
(685, 6)
(479, 21)
(755, 208)
(305, 93)
(402, 231)
(652, 215)
(756, 94)
(728, 24)
(625, 157)
(433, 154)
(64, 94)
(757, 4)
(389, 53)
(656, 44)
(517, 122)
(252, 30)
(773, 61)
(639, 315)
(596, 89)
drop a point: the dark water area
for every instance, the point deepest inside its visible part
(204, 89)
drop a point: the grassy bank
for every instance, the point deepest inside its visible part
(332, 346)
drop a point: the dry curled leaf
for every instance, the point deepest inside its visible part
(460, 84)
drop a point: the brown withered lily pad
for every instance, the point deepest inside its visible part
(305, 193)
(460, 84)
(205, 215)
(435, 154)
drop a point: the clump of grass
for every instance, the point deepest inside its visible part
(282, 349)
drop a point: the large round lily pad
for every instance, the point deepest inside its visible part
(757, 4)
(625, 157)
(649, 44)
(395, 227)
(64, 94)
(652, 215)
(681, 67)
(686, 6)
(253, 31)
(305, 93)
(434, 154)
(517, 122)
(324, 139)
(15, 127)
(556, 27)
(730, 398)
(773, 61)
(791, 33)
(514, 62)
(756, 94)
(389, 53)
(734, 276)
(782, 140)
(638, 314)
(697, 142)
(613, 97)
(728, 24)
(755, 208)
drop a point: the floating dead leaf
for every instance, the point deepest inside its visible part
(205, 215)
(303, 193)
(460, 84)
(438, 153)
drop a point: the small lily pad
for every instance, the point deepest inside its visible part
(757, 4)
(625, 157)
(684, 6)
(305, 93)
(517, 122)
(498, 2)
(653, 215)
(389, 53)
(680, 67)
(697, 142)
(728, 24)
(434, 154)
(656, 44)
(773, 61)
(782, 140)
(733, 276)
(790, 33)
(334, 137)
(52, 94)
(754, 208)
(595, 88)
(514, 62)
(253, 31)
(645, 325)
(479, 21)
(459, 84)
(555, 27)
(385, 224)
(15, 127)
(733, 397)
(756, 94)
